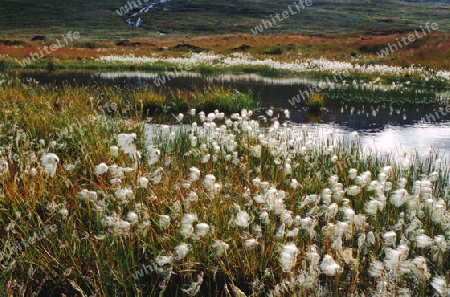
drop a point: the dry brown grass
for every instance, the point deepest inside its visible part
(432, 50)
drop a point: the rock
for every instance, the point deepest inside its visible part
(244, 47)
(39, 37)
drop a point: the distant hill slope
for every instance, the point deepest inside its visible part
(103, 19)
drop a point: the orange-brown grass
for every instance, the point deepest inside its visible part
(432, 50)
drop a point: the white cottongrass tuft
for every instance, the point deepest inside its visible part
(288, 257)
(242, 218)
(287, 169)
(187, 221)
(440, 285)
(153, 155)
(392, 259)
(220, 247)
(194, 174)
(50, 163)
(294, 184)
(101, 169)
(132, 218)
(352, 173)
(163, 265)
(376, 268)
(313, 257)
(122, 226)
(422, 241)
(114, 150)
(211, 117)
(69, 167)
(63, 212)
(209, 181)
(441, 243)
(181, 251)
(387, 170)
(251, 243)
(85, 194)
(143, 182)
(255, 151)
(124, 195)
(390, 238)
(399, 197)
(419, 268)
(328, 266)
(371, 240)
(353, 190)
(201, 229)
(164, 222)
(292, 233)
(127, 142)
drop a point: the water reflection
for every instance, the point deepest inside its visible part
(395, 140)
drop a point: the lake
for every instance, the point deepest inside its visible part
(390, 128)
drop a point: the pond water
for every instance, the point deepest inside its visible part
(389, 128)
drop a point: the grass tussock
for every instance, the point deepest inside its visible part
(315, 102)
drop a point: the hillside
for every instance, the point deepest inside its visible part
(102, 18)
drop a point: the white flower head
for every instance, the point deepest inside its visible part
(440, 285)
(132, 218)
(143, 182)
(353, 190)
(352, 173)
(122, 226)
(288, 257)
(251, 243)
(209, 181)
(164, 222)
(194, 174)
(153, 155)
(69, 167)
(101, 169)
(187, 229)
(242, 218)
(201, 229)
(127, 142)
(390, 238)
(114, 150)
(423, 241)
(392, 259)
(376, 268)
(328, 266)
(181, 251)
(220, 247)
(294, 184)
(50, 163)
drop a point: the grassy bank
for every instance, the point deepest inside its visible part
(218, 205)
(143, 101)
(359, 48)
